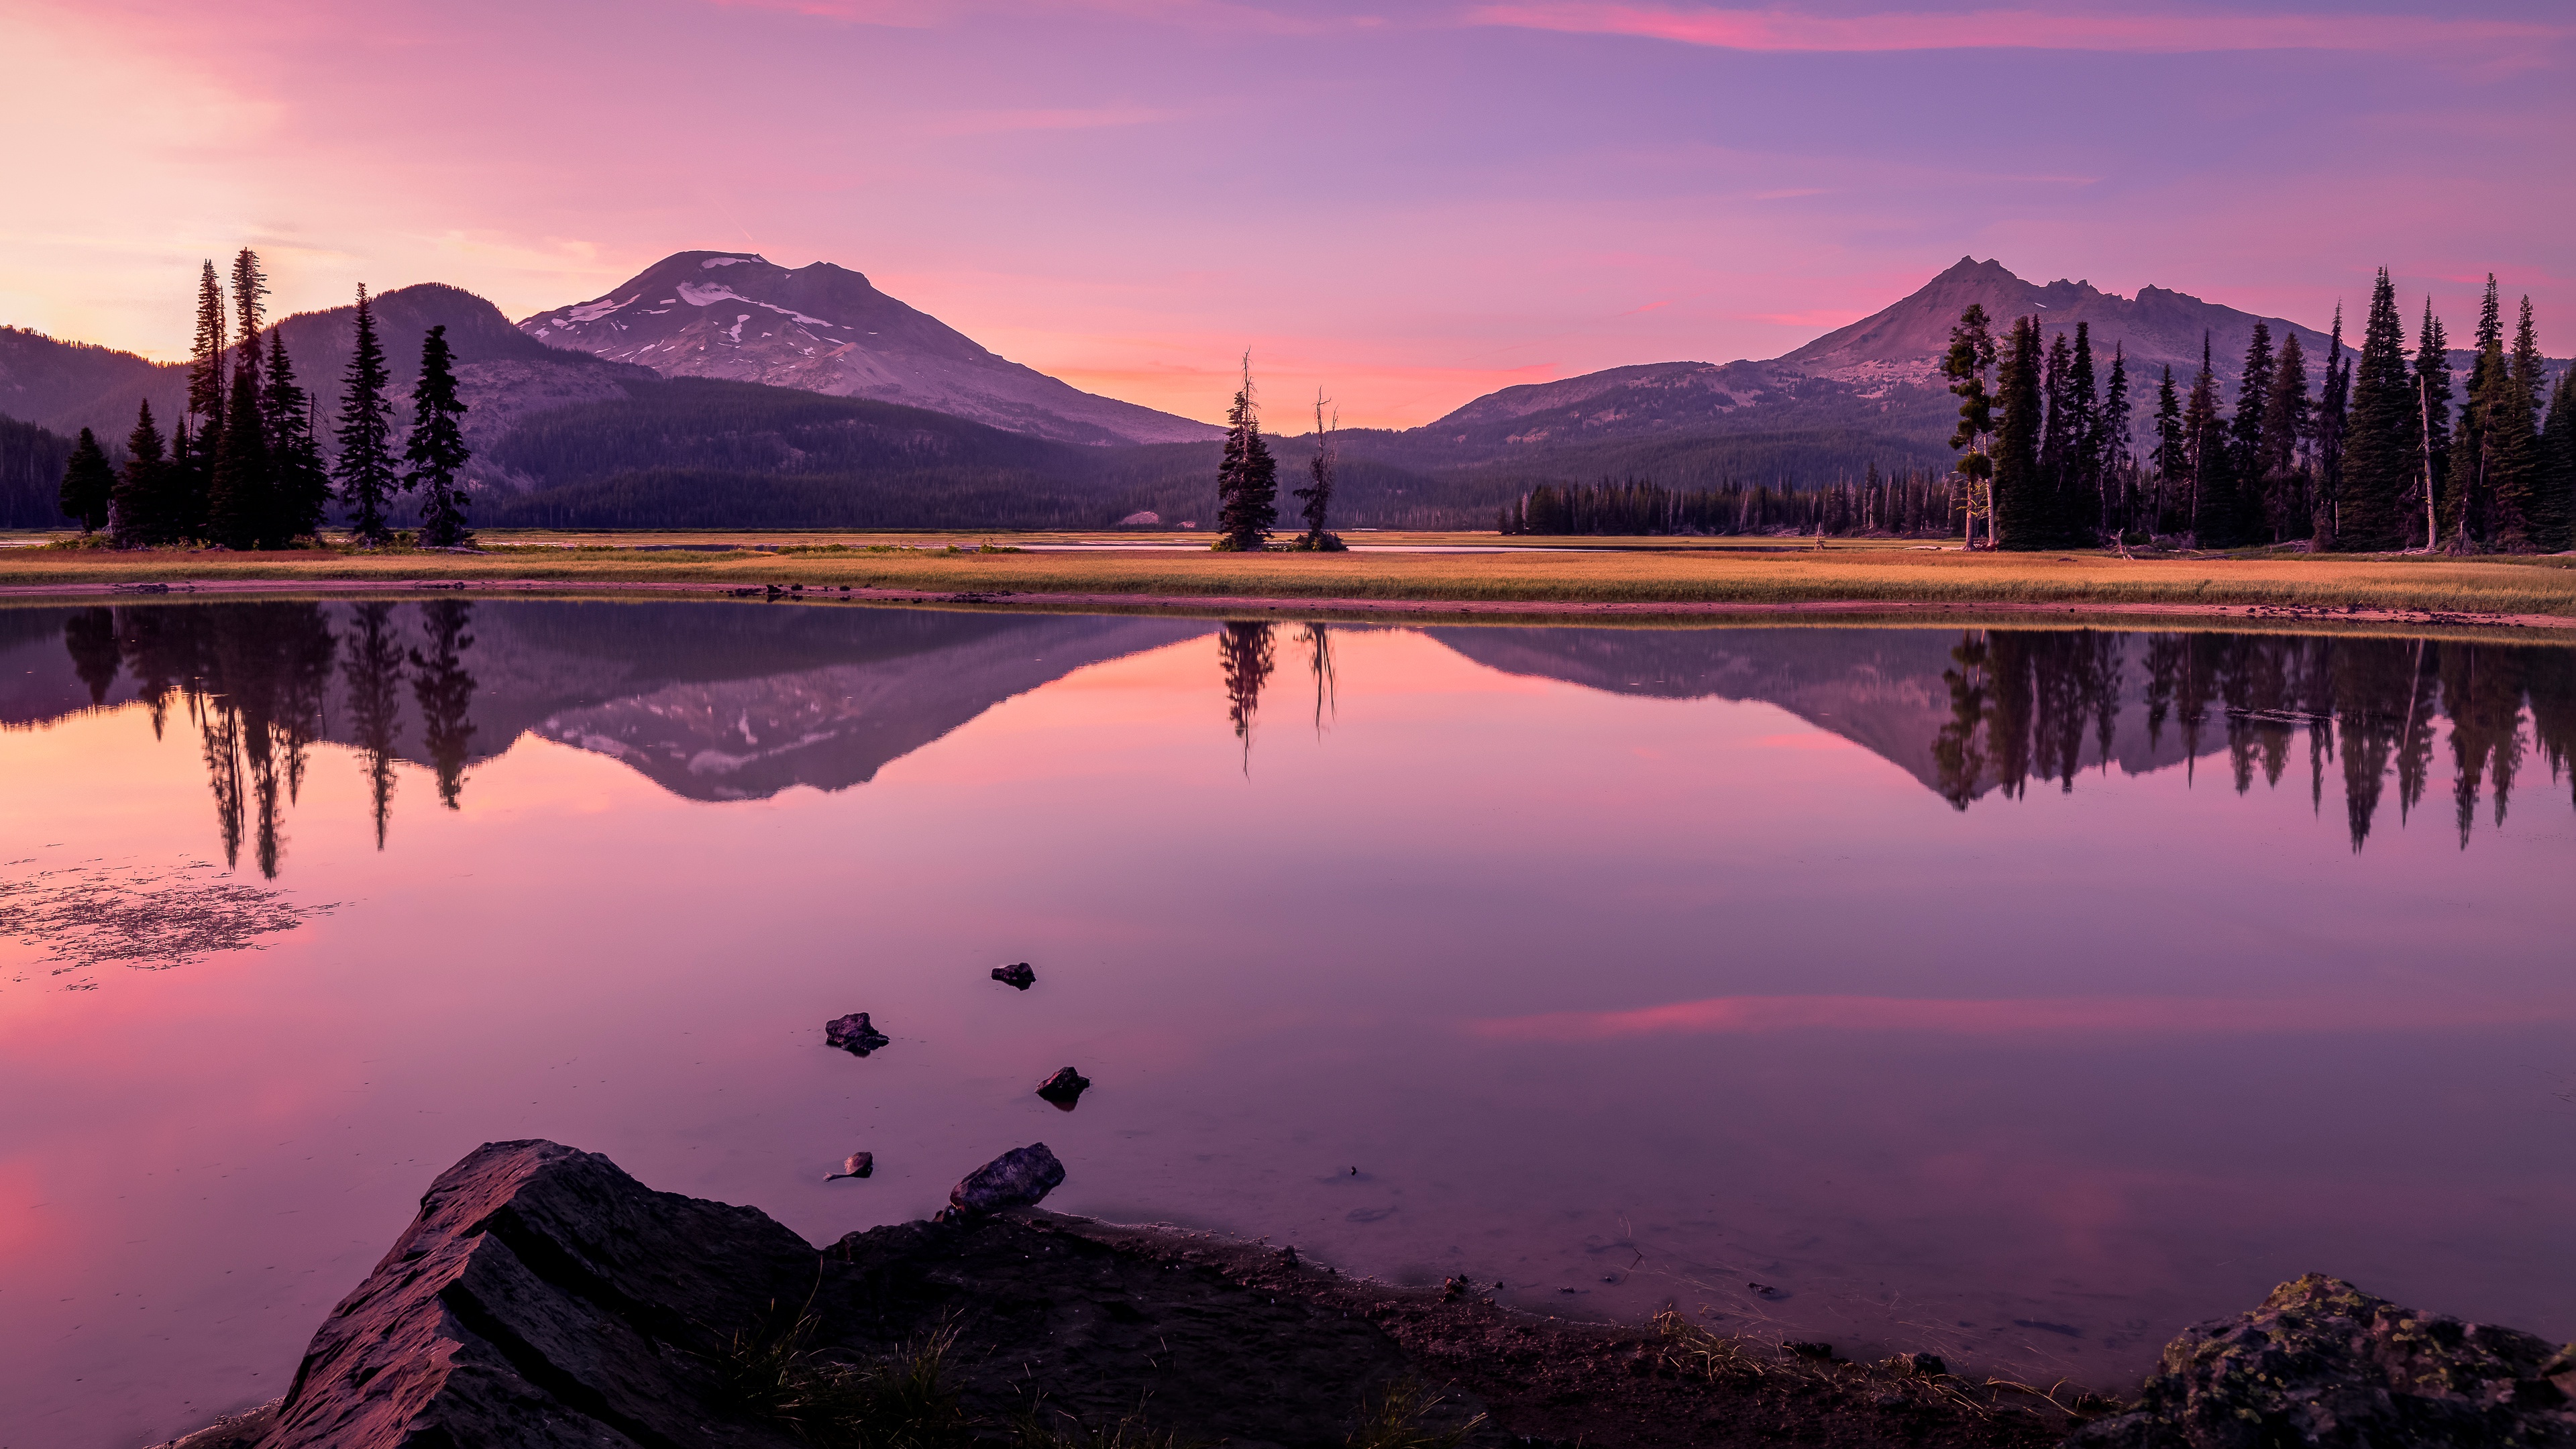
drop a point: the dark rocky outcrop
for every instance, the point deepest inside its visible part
(1021, 1177)
(1064, 1089)
(1018, 977)
(543, 1297)
(854, 1034)
(2323, 1363)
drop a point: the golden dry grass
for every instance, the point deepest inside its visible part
(1650, 571)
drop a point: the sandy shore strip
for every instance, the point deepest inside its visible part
(1253, 606)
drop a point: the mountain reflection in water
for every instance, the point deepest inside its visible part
(729, 703)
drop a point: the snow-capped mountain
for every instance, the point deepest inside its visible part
(823, 328)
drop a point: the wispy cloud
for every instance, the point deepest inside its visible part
(2171, 33)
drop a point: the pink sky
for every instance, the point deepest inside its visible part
(1407, 204)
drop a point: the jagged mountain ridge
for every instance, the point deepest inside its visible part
(739, 317)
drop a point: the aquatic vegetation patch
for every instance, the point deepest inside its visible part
(145, 917)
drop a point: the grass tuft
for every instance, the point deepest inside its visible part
(773, 1372)
(1397, 1419)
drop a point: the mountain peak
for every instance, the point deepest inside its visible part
(824, 328)
(1904, 341)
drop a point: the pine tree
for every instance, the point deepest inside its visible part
(88, 480)
(2466, 503)
(2246, 449)
(2326, 443)
(2287, 414)
(2119, 460)
(2525, 517)
(2380, 448)
(138, 515)
(368, 478)
(2082, 518)
(2433, 416)
(2021, 507)
(1319, 492)
(2205, 446)
(302, 487)
(2171, 457)
(1971, 356)
(199, 435)
(1247, 482)
(2558, 452)
(436, 448)
(240, 501)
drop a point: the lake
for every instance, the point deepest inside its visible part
(2020, 995)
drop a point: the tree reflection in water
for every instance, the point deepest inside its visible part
(372, 670)
(2021, 702)
(1318, 639)
(1243, 651)
(445, 692)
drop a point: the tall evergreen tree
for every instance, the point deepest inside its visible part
(2083, 512)
(2212, 507)
(2558, 447)
(1247, 481)
(2326, 443)
(2170, 455)
(2119, 461)
(88, 480)
(241, 499)
(1318, 494)
(2467, 504)
(2433, 416)
(1970, 358)
(301, 487)
(2525, 519)
(2380, 450)
(2245, 445)
(2021, 502)
(2286, 420)
(436, 448)
(139, 512)
(199, 435)
(368, 478)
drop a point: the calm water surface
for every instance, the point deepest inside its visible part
(2018, 995)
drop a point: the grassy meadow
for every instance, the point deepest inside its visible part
(1550, 574)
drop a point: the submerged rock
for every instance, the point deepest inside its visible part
(1021, 1177)
(859, 1164)
(1064, 1088)
(2323, 1363)
(854, 1034)
(1019, 976)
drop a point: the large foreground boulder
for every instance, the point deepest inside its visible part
(544, 1298)
(2323, 1363)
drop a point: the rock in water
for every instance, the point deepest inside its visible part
(1064, 1088)
(1021, 1177)
(854, 1035)
(1019, 976)
(2323, 1363)
(860, 1164)
(544, 1299)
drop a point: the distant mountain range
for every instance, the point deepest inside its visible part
(717, 388)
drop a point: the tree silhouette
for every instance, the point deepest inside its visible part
(1243, 651)
(444, 690)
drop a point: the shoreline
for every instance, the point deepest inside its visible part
(1902, 612)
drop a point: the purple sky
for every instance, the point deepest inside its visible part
(1408, 204)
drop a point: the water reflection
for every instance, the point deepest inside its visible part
(444, 690)
(373, 674)
(1243, 651)
(1997, 711)
(728, 703)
